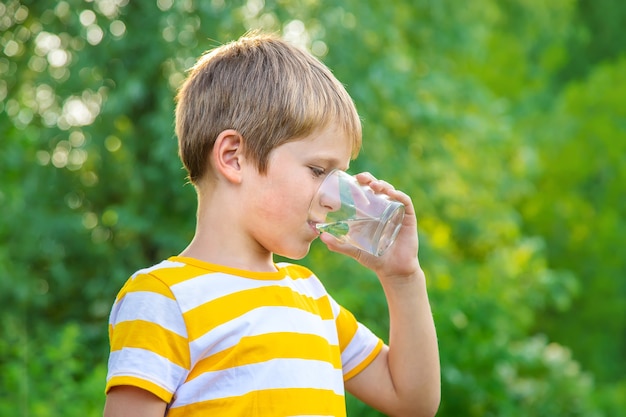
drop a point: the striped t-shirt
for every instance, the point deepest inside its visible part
(213, 340)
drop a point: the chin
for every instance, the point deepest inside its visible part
(294, 254)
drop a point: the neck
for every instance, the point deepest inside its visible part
(219, 239)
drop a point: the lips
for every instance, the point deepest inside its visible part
(313, 225)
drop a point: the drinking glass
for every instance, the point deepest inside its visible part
(355, 214)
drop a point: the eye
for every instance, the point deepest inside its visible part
(317, 171)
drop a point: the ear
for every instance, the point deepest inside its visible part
(227, 155)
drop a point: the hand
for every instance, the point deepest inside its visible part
(400, 260)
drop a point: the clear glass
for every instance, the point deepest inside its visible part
(354, 214)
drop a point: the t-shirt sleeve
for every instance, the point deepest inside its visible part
(358, 345)
(148, 337)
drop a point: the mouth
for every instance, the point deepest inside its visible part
(313, 226)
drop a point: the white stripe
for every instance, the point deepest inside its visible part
(359, 348)
(202, 289)
(260, 321)
(274, 374)
(151, 307)
(146, 365)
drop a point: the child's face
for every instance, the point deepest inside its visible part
(279, 200)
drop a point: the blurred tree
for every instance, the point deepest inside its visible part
(582, 160)
(600, 37)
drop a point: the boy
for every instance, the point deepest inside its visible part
(222, 330)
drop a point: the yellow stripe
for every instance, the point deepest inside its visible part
(257, 349)
(346, 327)
(155, 389)
(294, 271)
(204, 318)
(275, 402)
(145, 283)
(175, 275)
(298, 271)
(200, 268)
(152, 337)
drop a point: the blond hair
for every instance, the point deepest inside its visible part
(269, 91)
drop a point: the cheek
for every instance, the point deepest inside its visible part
(272, 207)
(286, 201)
(270, 202)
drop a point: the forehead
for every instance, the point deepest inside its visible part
(326, 148)
(329, 146)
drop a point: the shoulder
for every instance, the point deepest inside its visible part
(154, 286)
(164, 274)
(169, 271)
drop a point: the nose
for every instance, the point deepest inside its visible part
(324, 202)
(330, 201)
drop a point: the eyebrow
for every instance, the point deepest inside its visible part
(331, 162)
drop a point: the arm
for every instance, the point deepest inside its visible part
(404, 379)
(128, 401)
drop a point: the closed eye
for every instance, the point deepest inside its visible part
(317, 171)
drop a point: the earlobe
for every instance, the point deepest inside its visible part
(228, 155)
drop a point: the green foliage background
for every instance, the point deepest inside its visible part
(505, 120)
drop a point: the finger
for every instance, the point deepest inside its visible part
(336, 245)
(381, 186)
(364, 178)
